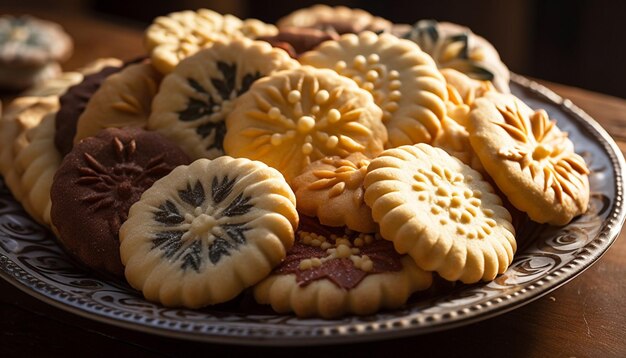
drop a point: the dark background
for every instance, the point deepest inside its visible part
(576, 42)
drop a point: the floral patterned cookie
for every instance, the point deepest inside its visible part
(194, 100)
(404, 81)
(531, 160)
(339, 19)
(207, 231)
(124, 99)
(330, 272)
(179, 35)
(331, 189)
(440, 212)
(455, 46)
(295, 117)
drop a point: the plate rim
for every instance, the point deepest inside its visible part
(394, 327)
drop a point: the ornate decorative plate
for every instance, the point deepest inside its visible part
(547, 258)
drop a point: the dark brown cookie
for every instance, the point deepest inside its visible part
(73, 103)
(97, 183)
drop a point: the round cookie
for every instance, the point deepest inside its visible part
(205, 232)
(295, 117)
(73, 103)
(332, 272)
(457, 47)
(440, 212)
(530, 159)
(123, 100)
(297, 40)
(194, 100)
(179, 35)
(339, 19)
(404, 81)
(331, 189)
(97, 183)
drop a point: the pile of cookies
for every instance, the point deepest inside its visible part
(333, 164)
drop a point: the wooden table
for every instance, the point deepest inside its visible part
(584, 318)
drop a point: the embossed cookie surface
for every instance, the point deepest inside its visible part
(194, 100)
(295, 117)
(531, 160)
(339, 19)
(179, 35)
(207, 231)
(123, 100)
(330, 272)
(440, 212)
(97, 183)
(331, 189)
(404, 81)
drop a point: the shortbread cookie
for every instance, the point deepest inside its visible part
(404, 81)
(207, 231)
(19, 117)
(123, 100)
(179, 35)
(97, 183)
(194, 100)
(457, 47)
(297, 40)
(35, 165)
(73, 103)
(454, 139)
(331, 189)
(339, 19)
(55, 86)
(329, 273)
(531, 160)
(440, 212)
(295, 117)
(462, 92)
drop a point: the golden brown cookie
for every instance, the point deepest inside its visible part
(404, 81)
(339, 19)
(179, 35)
(531, 160)
(194, 100)
(295, 117)
(331, 189)
(205, 232)
(441, 212)
(330, 272)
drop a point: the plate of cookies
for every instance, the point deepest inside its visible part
(333, 177)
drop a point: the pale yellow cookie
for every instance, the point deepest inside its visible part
(331, 189)
(457, 47)
(35, 165)
(404, 81)
(441, 212)
(296, 117)
(454, 139)
(328, 274)
(23, 114)
(462, 92)
(179, 35)
(340, 19)
(202, 234)
(123, 100)
(55, 86)
(531, 160)
(194, 100)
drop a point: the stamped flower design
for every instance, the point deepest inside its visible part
(200, 227)
(542, 151)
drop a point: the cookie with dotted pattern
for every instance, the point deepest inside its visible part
(403, 79)
(441, 212)
(531, 160)
(174, 37)
(331, 189)
(194, 100)
(295, 117)
(124, 99)
(330, 272)
(205, 232)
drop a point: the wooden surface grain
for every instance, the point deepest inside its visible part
(584, 318)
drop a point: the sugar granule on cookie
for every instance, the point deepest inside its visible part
(441, 212)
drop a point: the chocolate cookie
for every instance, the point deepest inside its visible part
(97, 183)
(73, 103)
